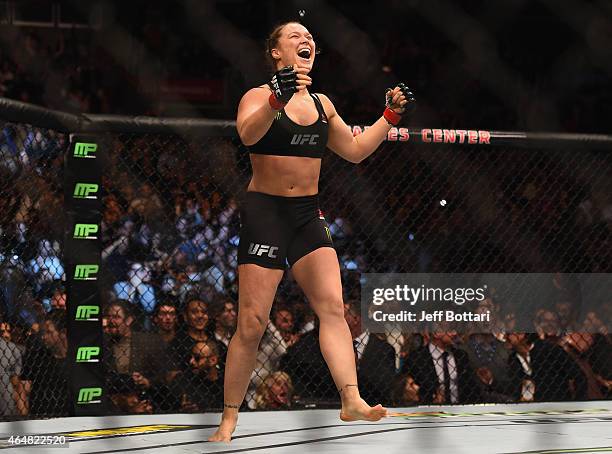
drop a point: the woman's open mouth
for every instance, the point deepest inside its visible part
(304, 54)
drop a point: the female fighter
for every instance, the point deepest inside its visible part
(287, 129)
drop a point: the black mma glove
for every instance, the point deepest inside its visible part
(394, 111)
(283, 84)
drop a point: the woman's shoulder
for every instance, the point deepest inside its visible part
(328, 105)
(256, 94)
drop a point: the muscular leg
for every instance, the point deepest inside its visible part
(256, 289)
(318, 274)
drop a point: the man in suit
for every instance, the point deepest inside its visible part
(543, 371)
(310, 375)
(142, 356)
(441, 370)
(374, 356)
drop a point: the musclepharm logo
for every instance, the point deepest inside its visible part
(85, 272)
(261, 249)
(85, 191)
(85, 231)
(301, 139)
(87, 313)
(87, 396)
(87, 354)
(85, 150)
(328, 233)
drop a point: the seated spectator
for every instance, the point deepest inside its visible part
(442, 371)
(412, 342)
(548, 326)
(11, 356)
(166, 321)
(278, 337)
(200, 388)
(46, 267)
(579, 347)
(195, 329)
(224, 313)
(600, 356)
(139, 355)
(126, 397)
(138, 289)
(542, 371)
(406, 392)
(58, 299)
(567, 315)
(489, 358)
(274, 392)
(374, 356)
(44, 378)
(308, 371)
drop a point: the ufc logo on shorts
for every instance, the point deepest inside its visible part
(301, 139)
(261, 249)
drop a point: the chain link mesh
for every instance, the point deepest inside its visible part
(169, 279)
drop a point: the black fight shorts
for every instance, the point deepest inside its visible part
(277, 231)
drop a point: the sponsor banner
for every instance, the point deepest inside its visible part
(82, 194)
(433, 135)
(549, 304)
(82, 241)
(83, 258)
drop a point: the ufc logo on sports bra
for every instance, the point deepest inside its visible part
(261, 249)
(301, 139)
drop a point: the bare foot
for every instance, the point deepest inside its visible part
(359, 410)
(225, 430)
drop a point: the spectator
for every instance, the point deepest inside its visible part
(275, 392)
(579, 347)
(44, 379)
(224, 313)
(46, 266)
(542, 371)
(138, 290)
(442, 371)
(166, 320)
(127, 397)
(200, 387)
(195, 329)
(374, 356)
(278, 337)
(406, 392)
(547, 325)
(58, 299)
(304, 363)
(142, 356)
(488, 356)
(11, 356)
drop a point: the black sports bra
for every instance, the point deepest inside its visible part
(287, 138)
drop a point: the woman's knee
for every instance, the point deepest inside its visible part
(251, 326)
(330, 309)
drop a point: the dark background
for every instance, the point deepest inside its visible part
(508, 64)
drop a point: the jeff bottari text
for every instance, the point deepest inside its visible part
(433, 316)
